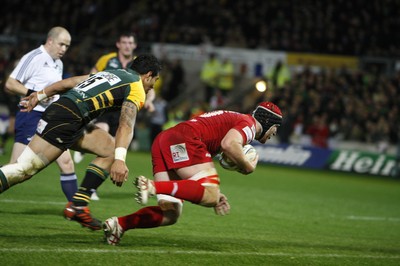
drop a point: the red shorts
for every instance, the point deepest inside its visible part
(178, 147)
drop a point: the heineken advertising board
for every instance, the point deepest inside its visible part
(317, 158)
(362, 162)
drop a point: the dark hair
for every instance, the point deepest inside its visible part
(145, 63)
(126, 34)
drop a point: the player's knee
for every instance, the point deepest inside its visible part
(171, 207)
(65, 163)
(170, 217)
(29, 163)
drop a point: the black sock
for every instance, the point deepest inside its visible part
(94, 177)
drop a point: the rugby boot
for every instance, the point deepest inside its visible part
(82, 215)
(146, 189)
(113, 232)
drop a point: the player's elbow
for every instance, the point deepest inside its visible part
(9, 87)
(226, 148)
(7, 90)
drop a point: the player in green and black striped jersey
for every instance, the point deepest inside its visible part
(63, 123)
(106, 91)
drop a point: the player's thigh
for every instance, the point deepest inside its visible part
(98, 142)
(44, 150)
(104, 126)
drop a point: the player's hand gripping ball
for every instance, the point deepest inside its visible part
(249, 151)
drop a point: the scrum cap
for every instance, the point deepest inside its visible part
(268, 114)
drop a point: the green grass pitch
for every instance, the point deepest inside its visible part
(279, 216)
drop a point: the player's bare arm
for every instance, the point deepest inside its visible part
(13, 86)
(29, 102)
(119, 170)
(127, 121)
(63, 85)
(231, 146)
(149, 105)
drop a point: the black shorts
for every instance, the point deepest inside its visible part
(62, 124)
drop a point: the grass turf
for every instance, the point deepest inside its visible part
(279, 216)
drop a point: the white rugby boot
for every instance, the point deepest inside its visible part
(113, 232)
(146, 189)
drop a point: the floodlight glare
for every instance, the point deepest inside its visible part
(261, 86)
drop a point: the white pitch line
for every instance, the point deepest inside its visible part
(373, 218)
(195, 252)
(32, 202)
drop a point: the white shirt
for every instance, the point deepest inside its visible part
(36, 70)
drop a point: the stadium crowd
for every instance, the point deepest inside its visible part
(356, 106)
(361, 106)
(335, 27)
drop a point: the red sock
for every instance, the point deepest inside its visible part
(189, 190)
(147, 217)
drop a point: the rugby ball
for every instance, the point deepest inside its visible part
(249, 151)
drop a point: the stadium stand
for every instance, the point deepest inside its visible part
(360, 106)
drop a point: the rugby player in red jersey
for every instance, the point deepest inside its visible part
(183, 167)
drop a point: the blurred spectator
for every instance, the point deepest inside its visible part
(288, 123)
(378, 135)
(158, 118)
(226, 79)
(319, 131)
(176, 81)
(217, 100)
(278, 76)
(209, 75)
